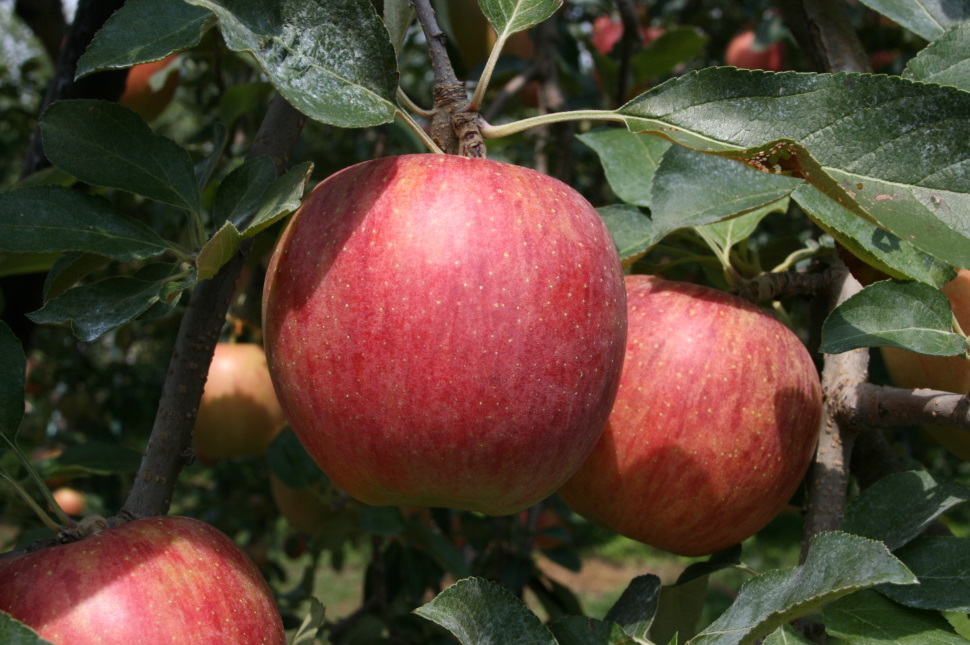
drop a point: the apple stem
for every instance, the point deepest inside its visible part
(490, 131)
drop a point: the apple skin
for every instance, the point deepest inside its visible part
(445, 331)
(741, 53)
(607, 32)
(154, 580)
(239, 414)
(714, 426)
(948, 373)
(138, 94)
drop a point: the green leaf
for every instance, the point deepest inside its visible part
(926, 19)
(944, 61)
(13, 369)
(867, 618)
(333, 60)
(240, 194)
(510, 16)
(635, 608)
(787, 636)
(142, 31)
(280, 199)
(900, 506)
(14, 632)
(56, 219)
(942, 564)
(438, 546)
(398, 16)
(837, 564)
(94, 310)
(205, 168)
(580, 630)
(629, 161)
(910, 315)
(310, 627)
(21, 263)
(289, 460)
(729, 232)
(728, 189)
(633, 233)
(69, 270)
(859, 138)
(480, 612)
(873, 245)
(676, 45)
(383, 521)
(218, 250)
(105, 144)
(99, 458)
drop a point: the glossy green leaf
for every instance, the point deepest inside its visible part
(241, 193)
(873, 245)
(510, 16)
(333, 60)
(900, 506)
(944, 61)
(942, 564)
(635, 608)
(105, 144)
(280, 199)
(868, 618)
(633, 233)
(910, 315)
(580, 630)
(890, 148)
(787, 635)
(480, 612)
(691, 189)
(837, 564)
(629, 161)
(57, 219)
(927, 19)
(142, 31)
(95, 309)
(13, 370)
(14, 632)
(398, 16)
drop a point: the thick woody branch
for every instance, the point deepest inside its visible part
(168, 447)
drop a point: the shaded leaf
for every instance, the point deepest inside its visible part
(57, 219)
(944, 61)
(942, 564)
(205, 168)
(635, 608)
(729, 232)
(280, 199)
(837, 564)
(900, 506)
(218, 250)
(398, 16)
(889, 147)
(480, 612)
(580, 630)
(438, 546)
(307, 633)
(787, 635)
(14, 632)
(333, 60)
(868, 618)
(926, 19)
(21, 263)
(873, 245)
(510, 16)
(662, 54)
(633, 233)
(69, 270)
(241, 193)
(105, 144)
(629, 161)
(910, 315)
(13, 370)
(99, 458)
(289, 460)
(142, 31)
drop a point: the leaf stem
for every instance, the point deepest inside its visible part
(62, 517)
(407, 103)
(490, 131)
(418, 130)
(483, 81)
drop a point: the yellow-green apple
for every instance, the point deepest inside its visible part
(445, 331)
(239, 414)
(150, 581)
(714, 425)
(140, 96)
(947, 373)
(744, 53)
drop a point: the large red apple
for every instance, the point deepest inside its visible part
(947, 373)
(445, 331)
(140, 96)
(239, 414)
(714, 425)
(742, 52)
(151, 581)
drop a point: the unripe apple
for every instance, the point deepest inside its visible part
(741, 52)
(445, 331)
(239, 414)
(150, 581)
(714, 425)
(138, 93)
(948, 373)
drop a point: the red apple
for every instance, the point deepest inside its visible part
(714, 425)
(607, 31)
(742, 52)
(154, 580)
(445, 331)
(138, 93)
(947, 373)
(239, 414)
